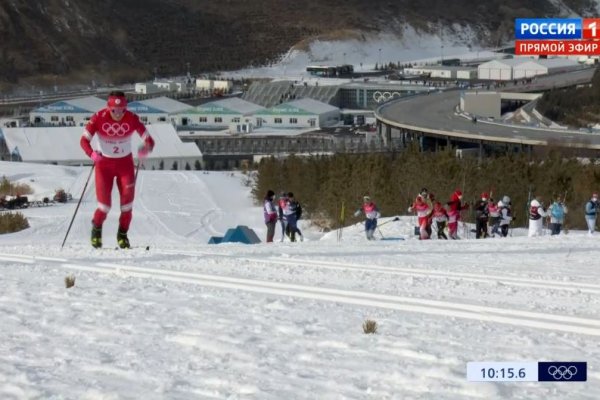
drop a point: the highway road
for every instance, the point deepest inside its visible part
(435, 114)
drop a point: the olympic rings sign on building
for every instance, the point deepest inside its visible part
(562, 372)
(115, 129)
(382, 97)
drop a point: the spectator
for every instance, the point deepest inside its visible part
(270, 215)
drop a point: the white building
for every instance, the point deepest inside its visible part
(443, 71)
(168, 86)
(499, 70)
(301, 113)
(208, 84)
(75, 112)
(157, 110)
(186, 84)
(466, 73)
(220, 114)
(39, 145)
(147, 88)
(543, 66)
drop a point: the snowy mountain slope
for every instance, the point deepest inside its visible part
(187, 320)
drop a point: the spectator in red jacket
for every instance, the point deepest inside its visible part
(422, 206)
(455, 207)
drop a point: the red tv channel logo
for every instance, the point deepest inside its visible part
(591, 28)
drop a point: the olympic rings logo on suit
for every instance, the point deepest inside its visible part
(380, 97)
(115, 129)
(562, 372)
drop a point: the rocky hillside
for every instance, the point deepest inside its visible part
(115, 41)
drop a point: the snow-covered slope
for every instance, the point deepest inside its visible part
(188, 320)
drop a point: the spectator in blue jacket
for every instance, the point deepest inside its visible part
(591, 209)
(292, 211)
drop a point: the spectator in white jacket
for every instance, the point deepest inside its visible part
(536, 218)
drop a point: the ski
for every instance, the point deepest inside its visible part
(147, 248)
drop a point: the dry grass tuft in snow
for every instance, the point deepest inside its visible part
(12, 222)
(69, 281)
(369, 326)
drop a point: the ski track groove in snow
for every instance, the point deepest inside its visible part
(508, 316)
(415, 272)
(150, 214)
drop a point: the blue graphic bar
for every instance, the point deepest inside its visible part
(548, 28)
(562, 371)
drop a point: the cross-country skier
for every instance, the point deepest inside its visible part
(114, 126)
(440, 216)
(369, 209)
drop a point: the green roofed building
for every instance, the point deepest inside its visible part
(301, 113)
(74, 112)
(158, 110)
(220, 114)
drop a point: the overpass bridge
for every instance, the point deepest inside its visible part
(432, 120)
(519, 96)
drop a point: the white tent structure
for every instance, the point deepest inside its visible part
(499, 70)
(542, 66)
(40, 145)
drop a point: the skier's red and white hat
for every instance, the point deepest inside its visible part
(117, 102)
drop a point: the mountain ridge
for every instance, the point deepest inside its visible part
(122, 41)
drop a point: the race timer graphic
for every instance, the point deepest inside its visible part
(541, 371)
(555, 36)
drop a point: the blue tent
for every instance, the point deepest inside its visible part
(215, 240)
(241, 234)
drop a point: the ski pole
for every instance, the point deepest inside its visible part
(77, 208)
(391, 220)
(137, 169)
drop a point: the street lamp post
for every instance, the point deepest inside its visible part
(380, 57)
(441, 46)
